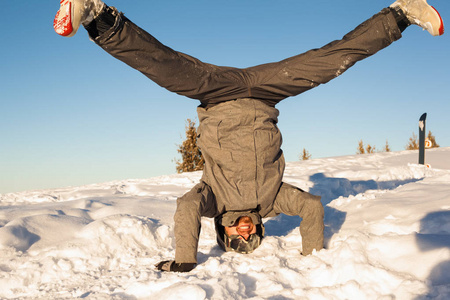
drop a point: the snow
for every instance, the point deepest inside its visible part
(387, 236)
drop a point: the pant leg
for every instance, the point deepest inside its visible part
(270, 83)
(276, 81)
(173, 70)
(292, 201)
(198, 202)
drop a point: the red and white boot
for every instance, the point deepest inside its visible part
(419, 12)
(72, 13)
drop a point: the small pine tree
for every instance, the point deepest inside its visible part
(360, 149)
(387, 148)
(370, 149)
(367, 149)
(432, 140)
(305, 155)
(413, 144)
(191, 157)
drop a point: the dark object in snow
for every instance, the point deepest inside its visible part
(422, 138)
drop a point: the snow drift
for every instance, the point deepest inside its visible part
(387, 236)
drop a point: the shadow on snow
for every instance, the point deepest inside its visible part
(330, 188)
(434, 234)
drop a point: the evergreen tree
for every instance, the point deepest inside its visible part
(360, 149)
(370, 149)
(191, 157)
(305, 155)
(387, 148)
(413, 143)
(432, 140)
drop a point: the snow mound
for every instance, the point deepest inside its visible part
(387, 236)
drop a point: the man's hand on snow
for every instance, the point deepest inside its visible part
(172, 266)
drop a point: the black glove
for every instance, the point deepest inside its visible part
(172, 266)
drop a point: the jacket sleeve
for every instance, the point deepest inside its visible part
(293, 201)
(191, 207)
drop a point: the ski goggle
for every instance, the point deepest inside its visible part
(239, 244)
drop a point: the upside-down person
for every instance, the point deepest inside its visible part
(238, 133)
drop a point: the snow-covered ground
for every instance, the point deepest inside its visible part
(387, 237)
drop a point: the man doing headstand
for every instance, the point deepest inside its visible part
(238, 135)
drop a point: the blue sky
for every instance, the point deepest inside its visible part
(73, 115)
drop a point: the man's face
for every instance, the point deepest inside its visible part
(243, 227)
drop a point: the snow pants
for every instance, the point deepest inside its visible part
(269, 83)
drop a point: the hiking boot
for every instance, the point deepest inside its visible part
(420, 13)
(72, 13)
